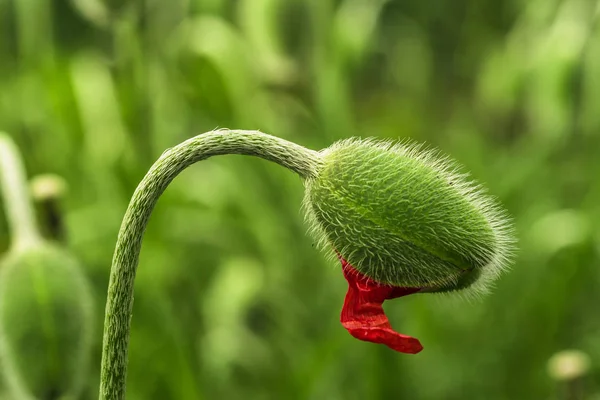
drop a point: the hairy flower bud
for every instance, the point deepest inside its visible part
(403, 216)
(45, 323)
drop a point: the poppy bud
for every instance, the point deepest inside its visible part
(45, 323)
(404, 217)
(402, 221)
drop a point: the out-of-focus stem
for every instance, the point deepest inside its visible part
(17, 203)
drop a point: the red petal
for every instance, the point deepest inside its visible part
(363, 316)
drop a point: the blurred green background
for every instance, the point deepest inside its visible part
(233, 301)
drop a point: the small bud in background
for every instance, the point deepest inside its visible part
(567, 365)
(569, 369)
(47, 186)
(47, 191)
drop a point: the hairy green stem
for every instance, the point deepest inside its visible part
(119, 302)
(17, 203)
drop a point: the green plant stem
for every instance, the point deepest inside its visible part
(24, 231)
(119, 302)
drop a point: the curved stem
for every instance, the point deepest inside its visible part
(119, 302)
(17, 202)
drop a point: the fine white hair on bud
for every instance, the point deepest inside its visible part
(406, 216)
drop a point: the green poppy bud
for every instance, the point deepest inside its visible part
(45, 323)
(404, 216)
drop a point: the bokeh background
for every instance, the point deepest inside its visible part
(233, 300)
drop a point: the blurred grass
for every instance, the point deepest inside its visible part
(232, 299)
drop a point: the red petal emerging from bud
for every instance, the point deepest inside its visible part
(363, 316)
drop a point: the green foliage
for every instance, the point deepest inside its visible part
(403, 216)
(45, 324)
(509, 89)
